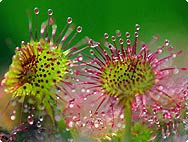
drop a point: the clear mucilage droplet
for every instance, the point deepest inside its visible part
(69, 20)
(39, 124)
(41, 118)
(50, 12)
(79, 29)
(12, 117)
(36, 11)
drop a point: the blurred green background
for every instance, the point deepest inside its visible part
(168, 18)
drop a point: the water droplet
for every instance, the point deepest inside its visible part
(128, 41)
(39, 124)
(136, 34)
(166, 42)
(58, 91)
(71, 124)
(113, 38)
(137, 27)
(163, 134)
(69, 20)
(41, 118)
(127, 34)
(103, 113)
(36, 11)
(159, 50)
(91, 52)
(73, 90)
(96, 125)
(83, 90)
(105, 35)
(71, 105)
(160, 87)
(174, 55)
(12, 117)
(122, 116)
(79, 58)
(121, 41)
(79, 29)
(14, 112)
(30, 120)
(50, 12)
(90, 42)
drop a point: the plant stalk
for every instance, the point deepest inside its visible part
(128, 122)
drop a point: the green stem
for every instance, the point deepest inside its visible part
(127, 122)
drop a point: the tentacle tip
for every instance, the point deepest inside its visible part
(79, 29)
(50, 12)
(36, 10)
(69, 20)
(137, 27)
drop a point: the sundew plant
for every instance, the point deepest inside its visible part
(135, 77)
(41, 74)
(62, 88)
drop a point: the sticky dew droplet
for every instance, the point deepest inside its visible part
(71, 105)
(50, 12)
(121, 41)
(69, 20)
(41, 118)
(128, 41)
(105, 35)
(30, 120)
(39, 124)
(137, 27)
(127, 34)
(79, 58)
(36, 10)
(136, 34)
(166, 42)
(71, 124)
(113, 38)
(79, 29)
(12, 117)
